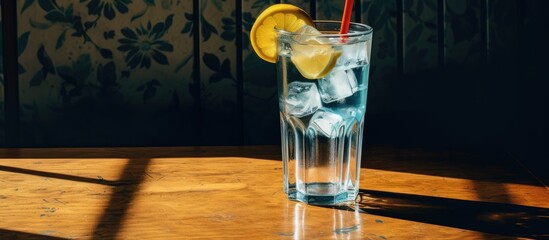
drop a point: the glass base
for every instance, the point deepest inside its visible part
(322, 199)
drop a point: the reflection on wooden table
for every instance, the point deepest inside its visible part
(236, 192)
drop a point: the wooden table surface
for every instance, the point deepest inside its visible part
(236, 193)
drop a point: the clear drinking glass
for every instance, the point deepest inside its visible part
(322, 120)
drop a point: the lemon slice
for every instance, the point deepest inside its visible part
(278, 16)
(314, 60)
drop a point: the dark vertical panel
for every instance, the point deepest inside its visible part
(358, 11)
(532, 139)
(384, 102)
(501, 57)
(463, 33)
(312, 11)
(260, 99)
(400, 37)
(494, 78)
(11, 84)
(195, 86)
(420, 35)
(484, 28)
(416, 86)
(520, 11)
(218, 73)
(441, 27)
(2, 119)
(503, 35)
(239, 73)
(465, 116)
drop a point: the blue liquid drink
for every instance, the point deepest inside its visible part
(322, 119)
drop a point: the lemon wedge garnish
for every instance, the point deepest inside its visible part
(278, 16)
(311, 58)
(314, 61)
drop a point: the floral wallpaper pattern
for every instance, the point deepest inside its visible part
(105, 72)
(155, 72)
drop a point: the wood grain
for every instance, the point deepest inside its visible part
(236, 192)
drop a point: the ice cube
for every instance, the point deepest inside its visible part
(308, 30)
(362, 56)
(348, 54)
(353, 55)
(350, 113)
(337, 85)
(310, 35)
(306, 33)
(302, 99)
(326, 123)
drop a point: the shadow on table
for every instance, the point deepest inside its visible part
(464, 164)
(114, 214)
(488, 217)
(15, 235)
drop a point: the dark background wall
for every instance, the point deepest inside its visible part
(445, 73)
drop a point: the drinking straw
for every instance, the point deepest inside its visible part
(346, 20)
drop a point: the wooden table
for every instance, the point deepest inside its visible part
(236, 192)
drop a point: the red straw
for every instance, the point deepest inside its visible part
(346, 20)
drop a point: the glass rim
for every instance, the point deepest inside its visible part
(368, 30)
